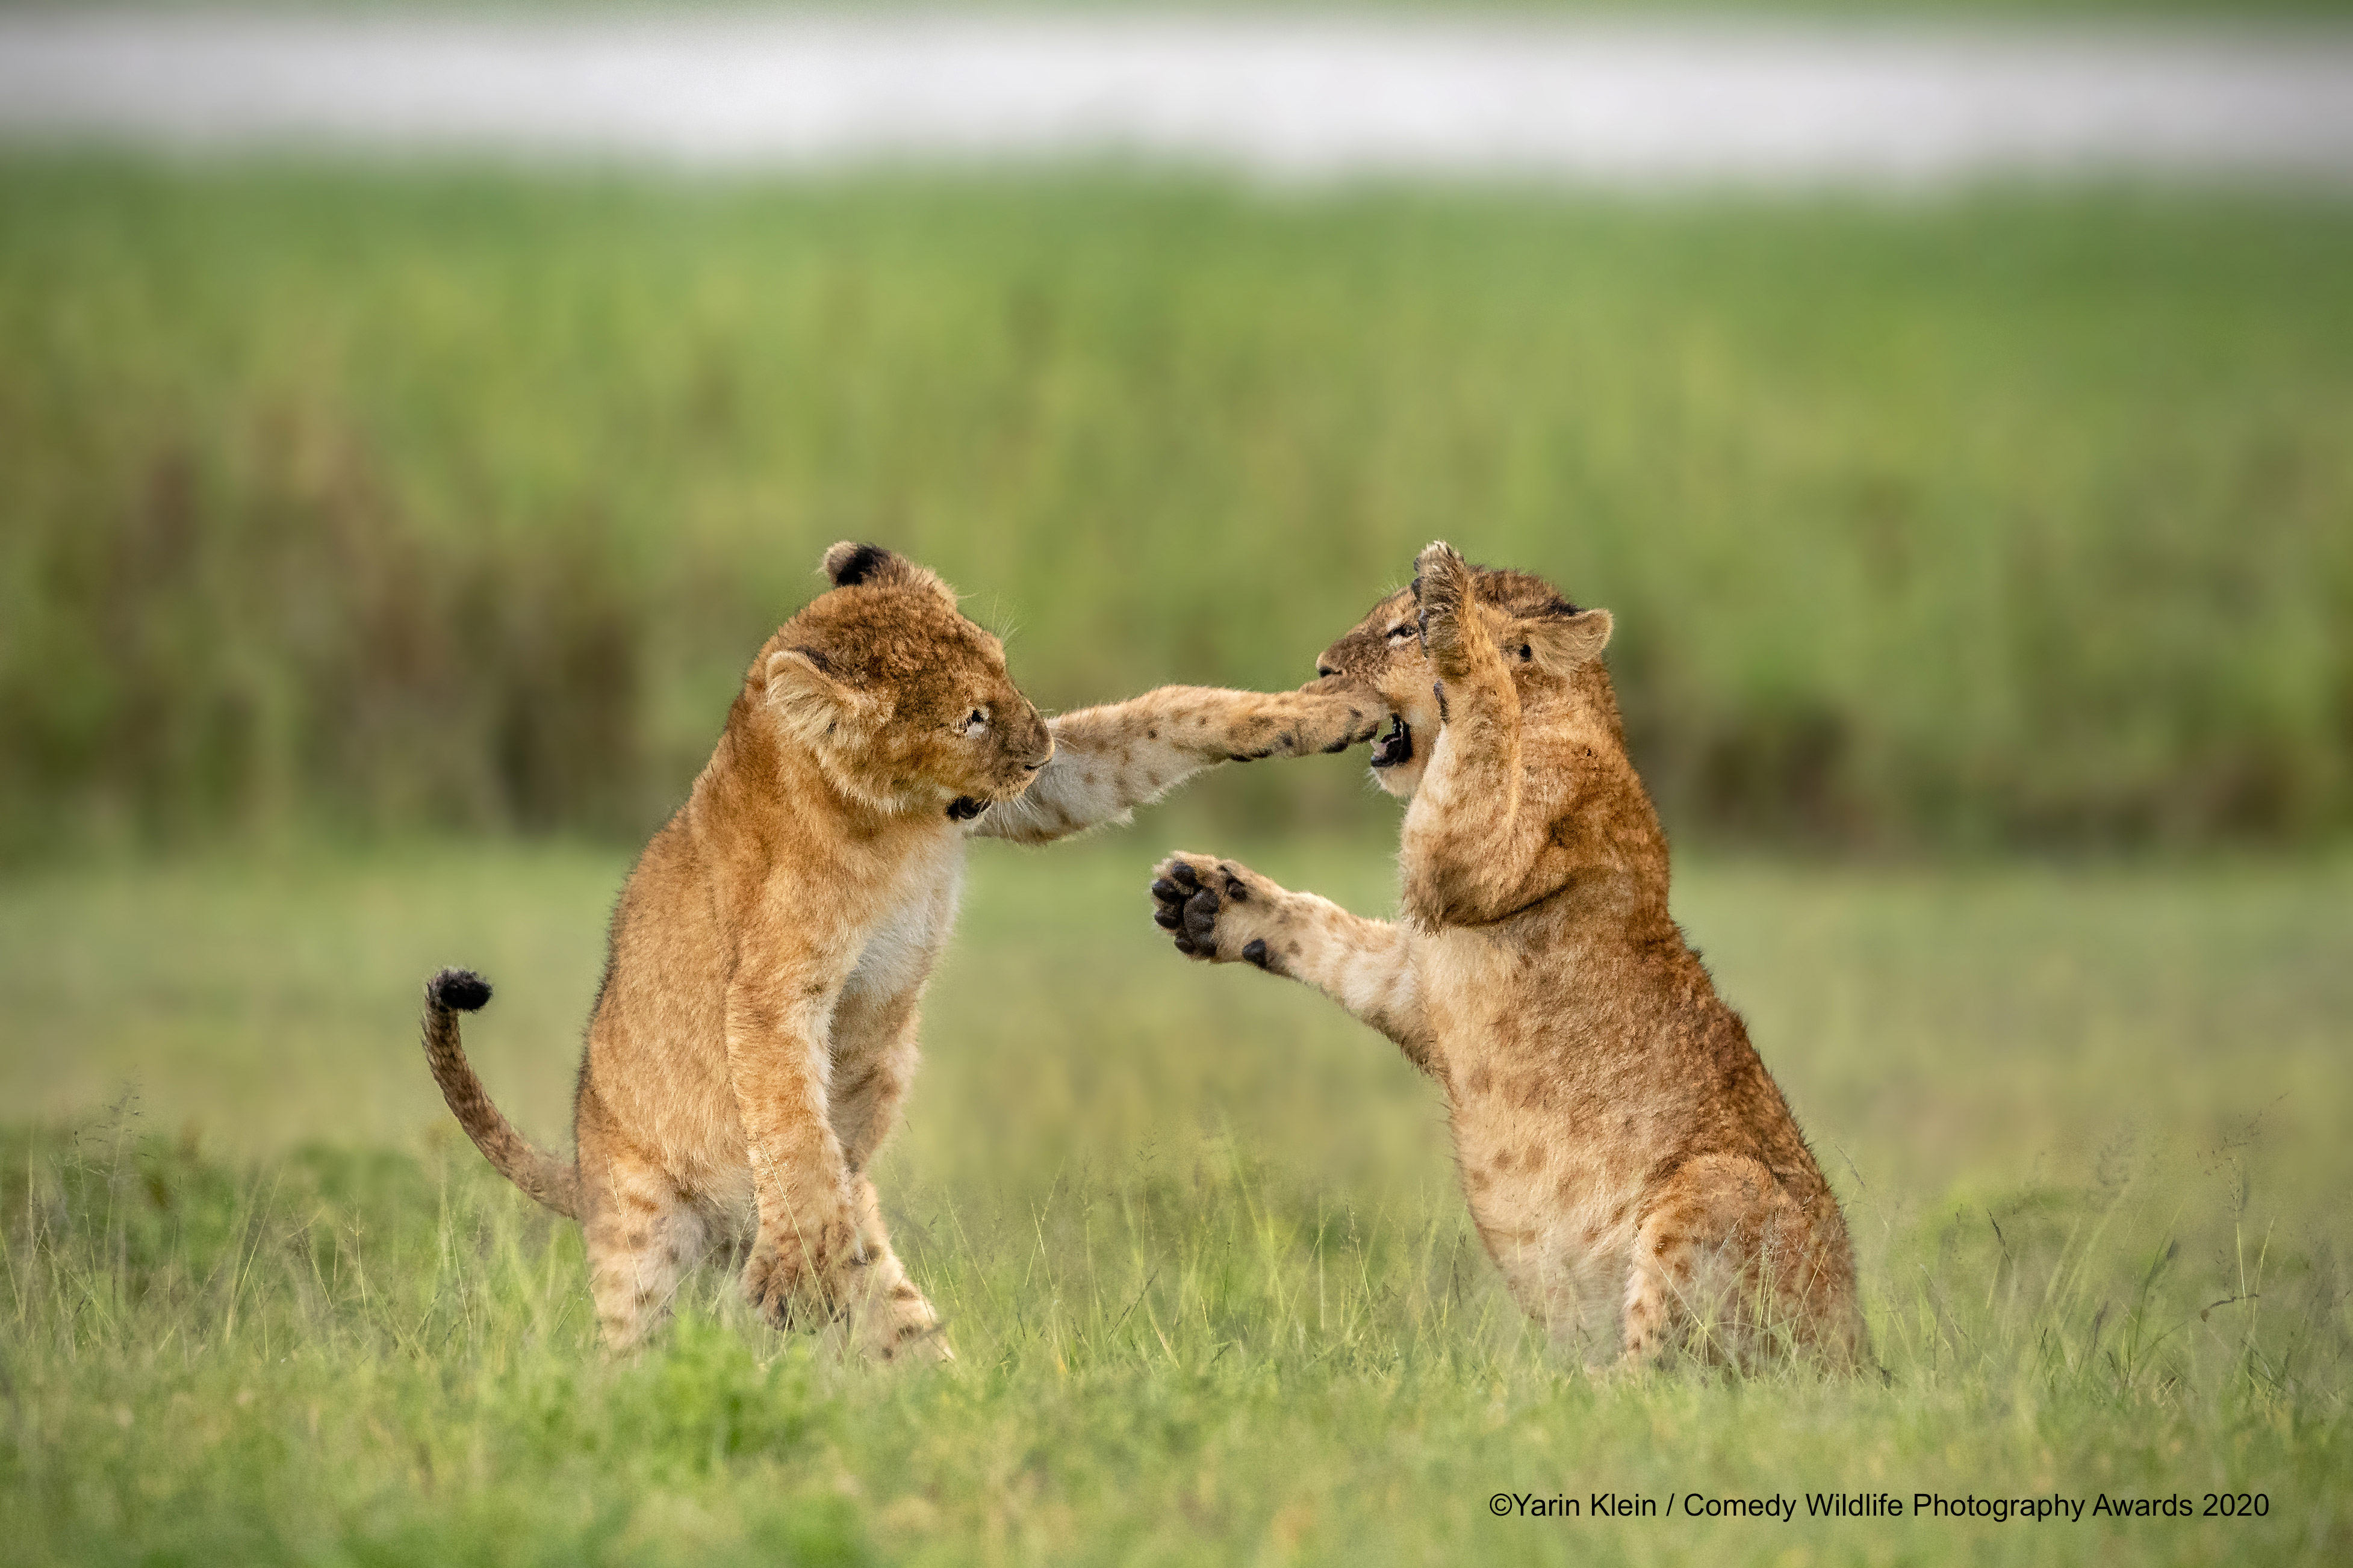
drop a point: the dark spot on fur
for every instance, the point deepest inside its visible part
(1439, 690)
(459, 989)
(1479, 1080)
(1290, 950)
(859, 566)
(816, 657)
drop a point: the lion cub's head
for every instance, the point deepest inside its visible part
(1544, 639)
(905, 703)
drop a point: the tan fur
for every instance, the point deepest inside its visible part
(755, 1031)
(1629, 1161)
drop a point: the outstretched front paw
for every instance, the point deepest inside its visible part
(1442, 589)
(1335, 714)
(1205, 905)
(1329, 715)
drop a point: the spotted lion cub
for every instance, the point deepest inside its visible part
(1629, 1161)
(755, 1029)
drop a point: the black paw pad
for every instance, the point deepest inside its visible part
(1255, 953)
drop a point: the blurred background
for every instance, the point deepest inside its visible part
(412, 418)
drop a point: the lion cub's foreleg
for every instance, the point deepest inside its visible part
(891, 1316)
(807, 1256)
(1111, 759)
(1223, 913)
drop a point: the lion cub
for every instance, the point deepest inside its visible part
(755, 1029)
(1629, 1161)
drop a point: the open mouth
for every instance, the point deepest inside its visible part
(1395, 747)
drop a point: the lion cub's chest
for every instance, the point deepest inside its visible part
(907, 938)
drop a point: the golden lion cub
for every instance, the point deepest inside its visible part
(1628, 1160)
(755, 1029)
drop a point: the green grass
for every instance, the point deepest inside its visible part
(1196, 1234)
(403, 500)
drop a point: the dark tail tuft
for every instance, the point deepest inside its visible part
(460, 989)
(541, 1176)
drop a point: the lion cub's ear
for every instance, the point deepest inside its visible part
(850, 563)
(811, 704)
(1558, 643)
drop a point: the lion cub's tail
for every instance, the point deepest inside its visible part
(539, 1174)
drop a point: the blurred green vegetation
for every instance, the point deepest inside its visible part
(2013, 11)
(1197, 1234)
(381, 501)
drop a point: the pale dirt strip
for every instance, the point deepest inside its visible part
(1296, 98)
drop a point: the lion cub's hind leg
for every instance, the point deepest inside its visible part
(1721, 1268)
(643, 1236)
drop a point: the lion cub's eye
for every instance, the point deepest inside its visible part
(974, 723)
(1400, 632)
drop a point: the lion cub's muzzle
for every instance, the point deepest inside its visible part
(964, 808)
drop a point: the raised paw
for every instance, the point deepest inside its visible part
(1442, 589)
(1205, 905)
